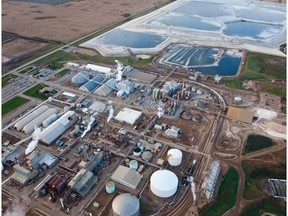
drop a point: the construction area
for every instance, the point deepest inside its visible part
(103, 138)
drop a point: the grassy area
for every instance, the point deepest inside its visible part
(140, 63)
(13, 104)
(257, 142)
(25, 70)
(226, 196)
(63, 72)
(267, 204)
(6, 79)
(34, 92)
(255, 172)
(55, 65)
(44, 17)
(126, 19)
(51, 56)
(259, 67)
(274, 89)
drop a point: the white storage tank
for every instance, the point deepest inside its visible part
(20, 124)
(110, 187)
(174, 157)
(133, 164)
(237, 100)
(126, 204)
(163, 183)
(137, 151)
(29, 128)
(199, 91)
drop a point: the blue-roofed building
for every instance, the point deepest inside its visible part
(107, 87)
(92, 84)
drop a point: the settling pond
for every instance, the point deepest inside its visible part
(257, 142)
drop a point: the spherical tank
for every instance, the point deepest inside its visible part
(133, 164)
(163, 183)
(126, 205)
(110, 187)
(174, 157)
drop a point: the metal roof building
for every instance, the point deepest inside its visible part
(20, 124)
(126, 176)
(58, 127)
(81, 78)
(126, 204)
(21, 174)
(106, 88)
(29, 128)
(128, 116)
(83, 181)
(98, 68)
(92, 84)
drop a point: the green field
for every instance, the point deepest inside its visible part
(5, 79)
(226, 197)
(25, 70)
(51, 56)
(34, 92)
(274, 89)
(13, 104)
(259, 67)
(267, 204)
(255, 172)
(63, 72)
(257, 142)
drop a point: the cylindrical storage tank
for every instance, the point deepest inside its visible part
(126, 204)
(193, 89)
(127, 161)
(137, 151)
(147, 156)
(29, 128)
(50, 120)
(237, 100)
(174, 157)
(163, 183)
(133, 164)
(110, 187)
(199, 91)
(20, 124)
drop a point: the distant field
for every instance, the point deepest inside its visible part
(226, 197)
(33, 92)
(5, 79)
(259, 67)
(63, 72)
(13, 104)
(274, 89)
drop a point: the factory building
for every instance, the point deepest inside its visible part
(58, 127)
(163, 183)
(81, 78)
(127, 86)
(21, 174)
(92, 84)
(40, 158)
(127, 177)
(92, 163)
(56, 184)
(20, 124)
(97, 68)
(169, 88)
(30, 127)
(173, 132)
(156, 93)
(139, 76)
(83, 181)
(126, 204)
(128, 116)
(210, 181)
(97, 106)
(107, 88)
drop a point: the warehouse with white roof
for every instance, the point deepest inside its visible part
(58, 127)
(98, 68)
(128, 116)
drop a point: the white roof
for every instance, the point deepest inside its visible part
(129, 116)
(68, 94)
(175, 153)
(126, 176)
(164, 183)
(98, 68)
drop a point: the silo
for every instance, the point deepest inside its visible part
(147, 156)
(137, 151)
(20, 124)
(163, 183)
(174, 157)
(237, 100)
(29, 128)
(126, 204)
(110, 187)
(133, 164)
(199, 91)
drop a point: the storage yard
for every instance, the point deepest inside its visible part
(167, 139)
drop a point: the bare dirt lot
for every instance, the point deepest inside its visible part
(69, 21)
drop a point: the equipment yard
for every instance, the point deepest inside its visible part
(190, 129)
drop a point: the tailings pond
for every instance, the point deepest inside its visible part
(257, 142)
